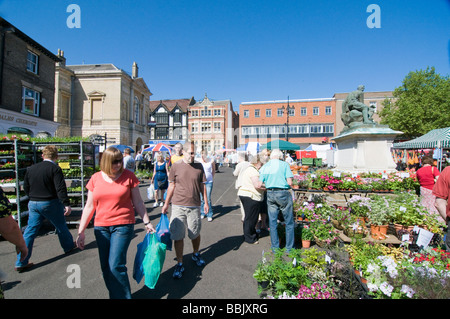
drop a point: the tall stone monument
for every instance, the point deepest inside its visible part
(363, 145)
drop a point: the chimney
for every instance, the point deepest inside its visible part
(135, 70)
(61, 56)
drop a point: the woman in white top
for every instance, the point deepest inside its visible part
(251, 194)
(209, 167)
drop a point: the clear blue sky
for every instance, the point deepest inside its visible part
(246, 50)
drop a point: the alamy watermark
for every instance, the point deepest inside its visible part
(374, 20)
(74, 19)
(74, 279)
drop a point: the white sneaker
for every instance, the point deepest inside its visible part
(155, 204)
(161, 204)
(210, 219)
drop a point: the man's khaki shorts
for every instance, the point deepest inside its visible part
(185, 217)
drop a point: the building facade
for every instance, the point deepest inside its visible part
(301, 121)
(101, 99)
(27, 84)
(169, 120)
(213, 125)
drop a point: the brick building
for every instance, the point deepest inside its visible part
(213, 125)
(302, 121)
(27, 84)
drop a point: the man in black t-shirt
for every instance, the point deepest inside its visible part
(46, 188)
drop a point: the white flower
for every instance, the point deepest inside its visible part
(372, 287)
(408, 291)
(371, 268)
(386, 289)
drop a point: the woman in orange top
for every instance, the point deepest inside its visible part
(113, 195)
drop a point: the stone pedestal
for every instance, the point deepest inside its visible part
(365, 148)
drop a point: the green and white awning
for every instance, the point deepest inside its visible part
(434, 139)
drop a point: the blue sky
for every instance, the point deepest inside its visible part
(247, 50)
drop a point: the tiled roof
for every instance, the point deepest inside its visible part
(171, 104)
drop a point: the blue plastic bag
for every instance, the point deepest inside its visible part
(153, 261)
(163, 232)
(138, 270)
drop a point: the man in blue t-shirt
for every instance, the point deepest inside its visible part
(277, 177)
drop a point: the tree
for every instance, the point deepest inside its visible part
(420, 104)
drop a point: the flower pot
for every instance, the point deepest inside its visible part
(306, 243)
(378, 231)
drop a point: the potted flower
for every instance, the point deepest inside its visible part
(340, 218)
(356, 228)
(359, 206)
(379, 217)
(324, 233)
(307, 236)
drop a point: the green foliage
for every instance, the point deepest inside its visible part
(422, 103)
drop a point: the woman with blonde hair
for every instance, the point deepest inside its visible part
(113, 195)
(160, 178)
(251, 194)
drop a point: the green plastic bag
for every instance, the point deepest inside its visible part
(153, 261)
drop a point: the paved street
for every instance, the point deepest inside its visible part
(227, 275)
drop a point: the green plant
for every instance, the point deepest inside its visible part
(314, 258)
(379, 213)
(306, 233)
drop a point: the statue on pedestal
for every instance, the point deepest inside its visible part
(354, 111)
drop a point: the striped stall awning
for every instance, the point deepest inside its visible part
(433, 139)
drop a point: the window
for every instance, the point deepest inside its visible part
(315, 110)
(246, 113)
(194, 127)
(303, 111)
(177, 117)
(206, 127)
(217, 112)
(137, 110)
(162, 133)
(328, 128)
(205, 112)
(162, 118)
(291, 111)
(327, 110)
(30, 101)
(373, 104)
(316, 129)
(280, 112)
(217, 128)
(194, 113)
(32, 62)
(257, 113)
(268, 112)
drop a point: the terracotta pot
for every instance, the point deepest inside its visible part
(306, 243)
(378, 232)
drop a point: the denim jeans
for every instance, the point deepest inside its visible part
(113, 242)
(280, 200)
(209, 186)
(38, 211)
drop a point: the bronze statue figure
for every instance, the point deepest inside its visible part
(354, 111)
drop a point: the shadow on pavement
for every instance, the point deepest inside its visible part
(172, 288)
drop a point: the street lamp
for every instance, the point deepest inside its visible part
(287, 109)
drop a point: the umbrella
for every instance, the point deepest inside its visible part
(121, 147)
(281, 145)
(160, 147)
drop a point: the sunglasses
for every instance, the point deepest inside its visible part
(117, 162)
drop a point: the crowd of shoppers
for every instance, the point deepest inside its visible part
(263, 183)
